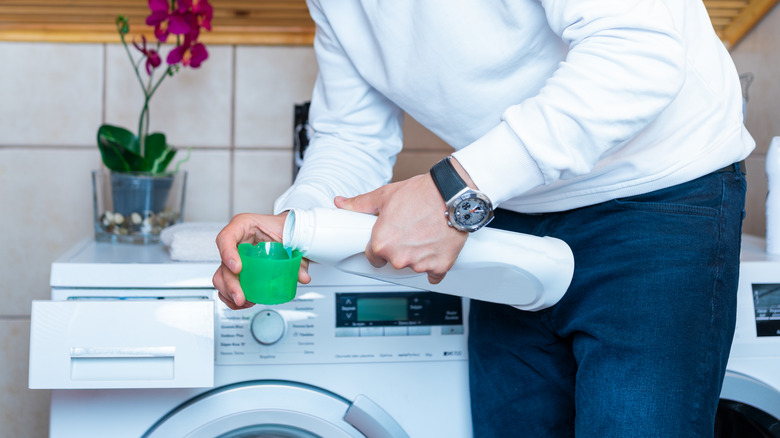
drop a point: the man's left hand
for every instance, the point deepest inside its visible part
(411, 229)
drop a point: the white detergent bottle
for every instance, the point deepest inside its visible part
(527, 272)
(773, 197)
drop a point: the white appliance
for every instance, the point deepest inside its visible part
(750, 399)
(135, 345)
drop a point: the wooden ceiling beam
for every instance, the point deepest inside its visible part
(748, 17)
(274, 22)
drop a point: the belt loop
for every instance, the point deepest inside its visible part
(740, 167)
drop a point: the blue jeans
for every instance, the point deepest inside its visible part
(638, 345)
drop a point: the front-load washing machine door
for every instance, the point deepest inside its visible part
(275, 409)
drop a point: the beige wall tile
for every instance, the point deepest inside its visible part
(260, 177)
(23, 412)
(269, 82)
(422, 149)
(192, 108)
(757, 53)
(411, 163)
(208, 186)
(50, 94)
(418, 138)
(755, 200)
(47, 207)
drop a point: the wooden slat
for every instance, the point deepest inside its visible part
(252, 21)
(733, 19)
(725, 4)
(721, 22)
(723, 13)
(747, 18)
(273, 22)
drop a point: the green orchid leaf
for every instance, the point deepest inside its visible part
(162, 162)
(118, 148)
(158, 153)
(120, 151)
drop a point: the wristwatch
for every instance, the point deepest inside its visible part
(467, 209)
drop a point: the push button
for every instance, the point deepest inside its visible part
(344, 332)
(372, 331)
(346, 311)
(396, 331)
(416, 309)
(452, 330)
(419, 330)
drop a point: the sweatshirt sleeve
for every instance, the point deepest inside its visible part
(624, 66)
(355, 131)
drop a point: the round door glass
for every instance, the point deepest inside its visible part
(269, 431)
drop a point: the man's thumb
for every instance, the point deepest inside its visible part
(358, 203)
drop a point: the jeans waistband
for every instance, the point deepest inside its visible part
(734, 167)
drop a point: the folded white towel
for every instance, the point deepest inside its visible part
(192, 241)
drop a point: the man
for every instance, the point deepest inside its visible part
(614, 125)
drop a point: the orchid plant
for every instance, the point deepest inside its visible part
(125, 151)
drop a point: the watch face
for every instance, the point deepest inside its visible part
(471, 213)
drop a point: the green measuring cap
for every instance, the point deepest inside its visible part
(269, 272)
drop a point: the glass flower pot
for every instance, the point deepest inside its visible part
(134, 207)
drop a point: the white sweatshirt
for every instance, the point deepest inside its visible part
(550, 104)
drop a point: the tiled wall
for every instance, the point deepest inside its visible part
(236, 114)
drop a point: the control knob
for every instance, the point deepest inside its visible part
(268, 327)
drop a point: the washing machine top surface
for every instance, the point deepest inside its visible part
(754, 250)
(92, 264)
(111, 265)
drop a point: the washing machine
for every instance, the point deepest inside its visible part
(133, 344)
(750, 399)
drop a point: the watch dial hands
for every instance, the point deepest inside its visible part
(470, 213)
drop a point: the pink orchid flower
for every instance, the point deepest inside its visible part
(204, 11)
(166, 22)
(153, 59)
(190, 55)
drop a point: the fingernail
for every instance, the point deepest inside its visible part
(232, 265)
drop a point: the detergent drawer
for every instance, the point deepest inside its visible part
(155, 343)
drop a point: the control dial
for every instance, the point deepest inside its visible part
(268, 327)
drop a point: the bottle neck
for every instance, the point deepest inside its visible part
(298, 230)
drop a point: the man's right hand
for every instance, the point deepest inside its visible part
(252, 228)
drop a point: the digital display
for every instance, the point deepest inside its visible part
(766, 300)
(388, 309)
(382, 309)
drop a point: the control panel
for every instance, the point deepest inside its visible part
(397, 313)
(757, 330)
(339, 324)
(766, 301)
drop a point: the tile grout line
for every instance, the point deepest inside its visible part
(14, 317)
(105, 85)
(232, 163)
